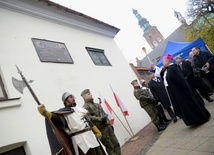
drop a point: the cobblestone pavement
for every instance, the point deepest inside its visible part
(146, 138)
(177, 139)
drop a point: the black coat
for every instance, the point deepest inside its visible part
(187, 70)
(159, 92)
(195, 82)
(185, 105)
(201, 59)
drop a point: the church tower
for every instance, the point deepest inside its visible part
(151, 33)
(180, 18)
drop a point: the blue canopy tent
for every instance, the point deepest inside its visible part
(181, 49)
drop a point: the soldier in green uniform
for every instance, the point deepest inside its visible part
(100, 119)
(145, 100)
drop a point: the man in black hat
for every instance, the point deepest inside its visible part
(146, 102)
(160, 94)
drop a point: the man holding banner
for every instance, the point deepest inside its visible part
(100, 119)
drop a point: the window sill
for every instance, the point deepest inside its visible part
(12, 102)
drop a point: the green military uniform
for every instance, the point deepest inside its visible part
(99, 118)
(146, 102)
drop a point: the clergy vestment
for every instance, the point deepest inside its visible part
(185, 105)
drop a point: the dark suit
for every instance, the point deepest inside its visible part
(159, 92)
(200, 60)
(195, 82)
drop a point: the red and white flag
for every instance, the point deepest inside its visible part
(107, 108)
(120, 103)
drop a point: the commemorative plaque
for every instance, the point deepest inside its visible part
(50, 51)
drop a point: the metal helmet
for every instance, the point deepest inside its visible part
(65, 96)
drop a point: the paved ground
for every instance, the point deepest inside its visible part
(177, 139)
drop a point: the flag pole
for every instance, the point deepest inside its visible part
(122, 123)
(119, 120)
(133, 136)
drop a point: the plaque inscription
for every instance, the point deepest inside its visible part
(50, 51)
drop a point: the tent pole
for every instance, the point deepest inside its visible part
(208, 49)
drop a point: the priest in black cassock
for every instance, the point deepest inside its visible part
(159, 92)
(185, 105)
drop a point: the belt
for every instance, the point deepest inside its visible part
(79, 132)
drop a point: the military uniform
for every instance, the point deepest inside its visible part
(146, 102)
(99, 118)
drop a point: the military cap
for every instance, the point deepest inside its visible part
(85, 92)
(133, 81)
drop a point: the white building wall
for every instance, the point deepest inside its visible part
(22, 122)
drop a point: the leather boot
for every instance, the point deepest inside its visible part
(162, 123)
(160, 127)
(209, 99)
(174, 119)
(167, 121)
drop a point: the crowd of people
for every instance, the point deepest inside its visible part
(177, 88)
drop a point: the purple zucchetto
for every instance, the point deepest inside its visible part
(168, 56)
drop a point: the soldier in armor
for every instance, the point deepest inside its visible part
(74, 122)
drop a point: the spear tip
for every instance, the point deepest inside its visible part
(19, 71)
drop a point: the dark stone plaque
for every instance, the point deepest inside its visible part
(50, 51)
